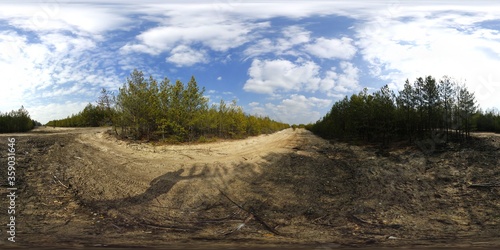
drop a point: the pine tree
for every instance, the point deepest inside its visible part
(406, 105)
(384, 112)
(466, 108)
(138, 105)
(194, 105)
(446, 92)
(430, 96)
(418, 99)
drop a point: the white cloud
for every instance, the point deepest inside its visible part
(296, 34)
(95, 20)
(61, 91)
(253, 104)
(185, 56)
(338, 84)
(348, 81)
(142, 48)
(49, 16)
(261, 47)
(332, 48)
(276, 76)
(216, 36)
(286, 44)
(272, 76)
(219, 78)
(294, 10)
(64, 44)
(293, 110)
(328, 83)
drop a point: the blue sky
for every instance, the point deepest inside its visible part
(289, 60)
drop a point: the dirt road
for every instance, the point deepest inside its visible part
(83, 187)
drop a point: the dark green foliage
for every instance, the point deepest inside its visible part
(421, 110)
(16, 121)
(488, 121)
(91, 116)
(138, 106)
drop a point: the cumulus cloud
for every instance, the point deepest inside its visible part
(332, 48)
(185, 56)
(328, 82)
(272, 76)
(348, 81)
(280, 76)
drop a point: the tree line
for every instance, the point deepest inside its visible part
(16, 121)
(145, 108)
(487, 121)
(90, 116)
(423, 109)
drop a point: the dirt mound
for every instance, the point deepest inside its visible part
(85, 188)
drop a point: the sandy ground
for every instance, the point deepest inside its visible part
(84, 188)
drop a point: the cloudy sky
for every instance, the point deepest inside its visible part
(290, 61)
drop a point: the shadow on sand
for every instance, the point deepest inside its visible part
(158, 186)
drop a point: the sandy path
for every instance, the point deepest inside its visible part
(82, 187)
(249, 150)
(122, 169)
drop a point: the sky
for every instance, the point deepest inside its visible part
(289, 60)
